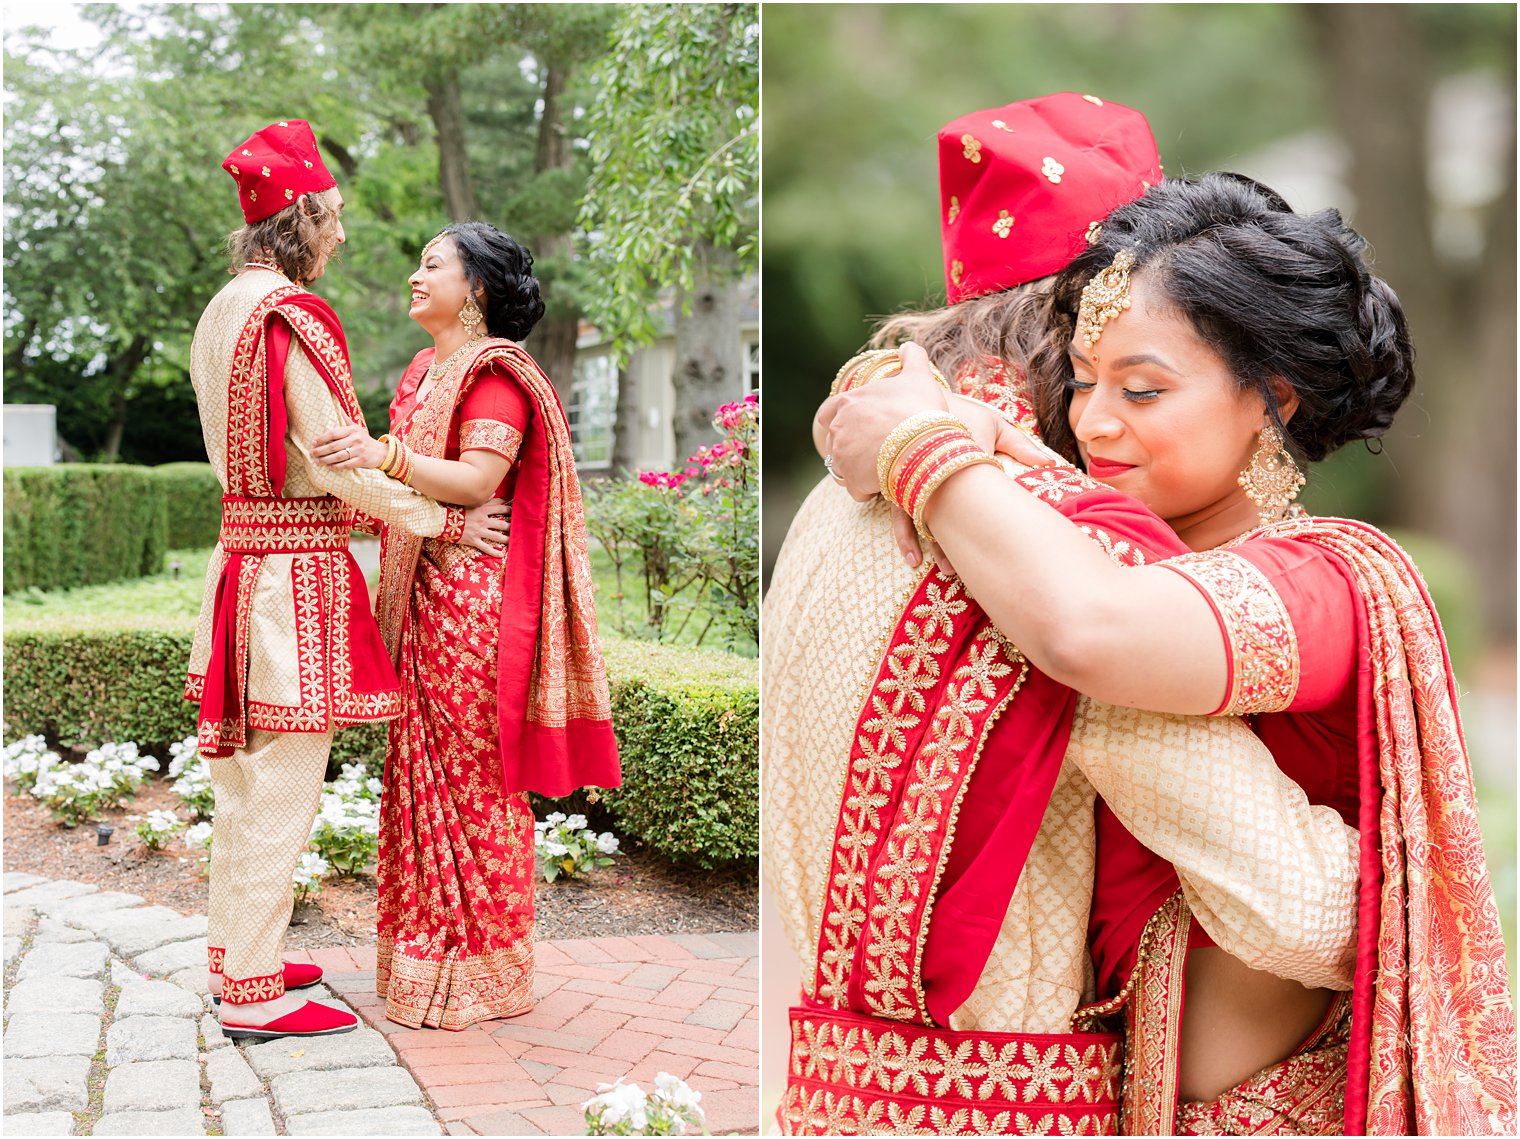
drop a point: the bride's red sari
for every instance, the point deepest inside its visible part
(504, 691)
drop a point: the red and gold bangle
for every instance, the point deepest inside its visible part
(403, 467)
(390, 453)
(901, 436)
(926, 463)
(877, 364)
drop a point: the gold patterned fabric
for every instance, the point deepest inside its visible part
(294, 641)
(836, 590)
(267, 795)
(855, 1075)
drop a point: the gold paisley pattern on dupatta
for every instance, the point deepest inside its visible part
(1443, 1026)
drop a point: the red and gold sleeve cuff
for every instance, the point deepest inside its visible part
(490, 435)
(1258, 634)
(453, 524)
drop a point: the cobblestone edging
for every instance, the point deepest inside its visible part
(108, 1031)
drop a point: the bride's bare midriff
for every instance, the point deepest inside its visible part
(1238, 1020)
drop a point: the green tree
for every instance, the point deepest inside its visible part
(671, 203)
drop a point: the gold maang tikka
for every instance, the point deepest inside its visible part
(1104, 297)
(1271, 479)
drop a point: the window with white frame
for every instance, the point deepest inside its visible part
(593, 410)
(751, 362)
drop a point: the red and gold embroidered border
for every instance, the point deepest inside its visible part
(490, 435)
(1264, 660)
(247, 404)
(1153, 1019)
(902, 887)
(848, 1075)
(886, 730)
(457, 991)
(321, 344)
(251, 990)
(284, 525)
(215, 955)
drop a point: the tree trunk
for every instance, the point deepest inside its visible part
(453, 164)
(625, 428)
(1461, 414)
(553, 341)
(552, 344)
(707, 371)
(120, 370)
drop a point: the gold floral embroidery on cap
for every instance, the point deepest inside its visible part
(253, 195)
(1094, 100)
(955, 209)
(1052, 170)
(1093, 230)
(265, 172)
(1004, 224)
(289, 194)
(308, 164)
(956, 269)
(233, 168)
(1002, 126)
(973, 147)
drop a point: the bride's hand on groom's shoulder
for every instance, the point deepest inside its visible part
(347, 448)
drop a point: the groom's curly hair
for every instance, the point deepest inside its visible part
(1008, 326)
(299, 239)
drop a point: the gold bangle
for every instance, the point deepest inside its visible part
(852, 364)
(877, 364)
(937, 480)
(390, 453)
(904, 433)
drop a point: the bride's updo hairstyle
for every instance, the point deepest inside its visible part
(492, 260)
(1276, 294)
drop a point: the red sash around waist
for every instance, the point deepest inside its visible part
(851, 1074)
(284, 525)
(345, 674)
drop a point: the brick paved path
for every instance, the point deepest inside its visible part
(610, 1007)
(109, 1032)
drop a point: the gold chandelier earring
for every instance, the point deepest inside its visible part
(1271, 479)
(470, 316)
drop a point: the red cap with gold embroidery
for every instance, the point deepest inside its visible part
(276, 166)
(1021, 185)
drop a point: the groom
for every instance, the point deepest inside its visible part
(286, 648)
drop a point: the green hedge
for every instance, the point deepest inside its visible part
(195, 504)
(687, 722)
(80, 523)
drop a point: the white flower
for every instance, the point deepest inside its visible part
(556, 849)
(374, 785)
(162, 822)
(618, 1102)
(555, 817)
(607, 842)
(198, 837)
(675, 1092)
(576, 822)
(311, 869)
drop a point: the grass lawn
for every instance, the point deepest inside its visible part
(139, 602)
(163, 600)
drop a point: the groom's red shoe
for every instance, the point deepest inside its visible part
(298, 975)
(311, 1019)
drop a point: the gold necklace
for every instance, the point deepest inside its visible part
(436, 369)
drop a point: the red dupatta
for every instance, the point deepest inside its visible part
(555, 716)
(1433, 1029)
